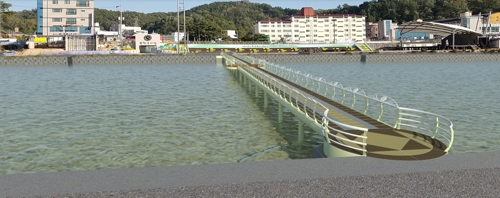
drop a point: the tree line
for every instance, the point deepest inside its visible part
(210, 21)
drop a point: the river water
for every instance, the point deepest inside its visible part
(98, 117)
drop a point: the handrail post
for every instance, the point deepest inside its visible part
(366, 105)
(437, 127)
(353, 100)
(398, 121)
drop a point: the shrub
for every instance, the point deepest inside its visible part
(433, 51)
(348, 53)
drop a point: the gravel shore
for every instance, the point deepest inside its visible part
(453, 175)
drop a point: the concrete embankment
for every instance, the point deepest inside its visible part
(105, 60)
(383, 57)
(211, 58)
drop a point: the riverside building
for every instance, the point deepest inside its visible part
(308, 27)
(65, 17)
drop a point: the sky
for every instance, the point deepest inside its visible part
(148, 6)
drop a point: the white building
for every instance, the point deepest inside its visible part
(126, 30)
(65, 17)
(387, 29)
(308, 27)
(477, 23)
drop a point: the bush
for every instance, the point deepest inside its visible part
(348, 53)
(423, 50)
(433, 51)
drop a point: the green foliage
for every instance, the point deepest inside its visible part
(409, 10)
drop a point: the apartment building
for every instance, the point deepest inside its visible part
(308, 27)
(65, 17)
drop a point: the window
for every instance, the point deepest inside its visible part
(85, 30)
(296, 30)
(296, 26)
(56, 10)
(265, 26)
(71, 29)
(71, 11)
(66, 2)
(56, 29)
(82, 19)
(82, 4)
(57, 20)
(82, 10)
(54, 2)
(296, 35)
(70, 21)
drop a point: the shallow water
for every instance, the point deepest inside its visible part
(98, 117)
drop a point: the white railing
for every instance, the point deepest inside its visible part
(381, 108)
(436, 126)
(312, 109)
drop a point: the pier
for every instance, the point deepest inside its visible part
(351, 122)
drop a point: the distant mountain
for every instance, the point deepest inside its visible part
(206, 21)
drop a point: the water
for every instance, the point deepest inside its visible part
(99, 117)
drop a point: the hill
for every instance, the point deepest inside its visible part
(208, 21)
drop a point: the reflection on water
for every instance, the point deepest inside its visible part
(96, 117)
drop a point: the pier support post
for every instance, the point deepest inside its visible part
(256, 91)
(266, 100)
(240, 75)
(249, 85)
(300, 135)
(280, 113)
(301, 131)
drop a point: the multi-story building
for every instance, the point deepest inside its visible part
(477, 23)
(387, 29)
(65, 17)
(371, 31)
(308, 27)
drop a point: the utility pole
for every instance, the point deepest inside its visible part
(120, 27)
(181, 8)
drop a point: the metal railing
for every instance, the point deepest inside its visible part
(428, 123)
(311, 108)
(381, 108)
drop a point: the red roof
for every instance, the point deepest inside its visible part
(275, 20)
(329, 15)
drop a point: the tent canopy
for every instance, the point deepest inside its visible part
(441, 29)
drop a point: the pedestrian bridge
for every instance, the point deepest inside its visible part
(351, 122)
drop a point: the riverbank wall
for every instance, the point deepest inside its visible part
(389, 57)
(105, 60)
(211, 58)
